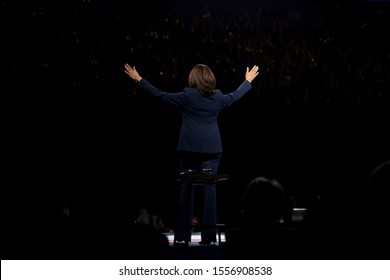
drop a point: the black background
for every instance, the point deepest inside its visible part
(78, 132)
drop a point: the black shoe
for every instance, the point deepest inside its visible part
(207, 243)
(181, 243)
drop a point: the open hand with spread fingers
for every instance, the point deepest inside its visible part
(250, 75)
(132, 73)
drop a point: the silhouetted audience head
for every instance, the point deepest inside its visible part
(264, 200)
(352, 226)
(379, 180)
(376, 195)
(262, 234)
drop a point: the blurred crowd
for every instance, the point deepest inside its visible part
(333, 54)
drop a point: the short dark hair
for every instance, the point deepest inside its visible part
(202, 78)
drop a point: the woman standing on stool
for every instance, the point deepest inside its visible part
(199, 144)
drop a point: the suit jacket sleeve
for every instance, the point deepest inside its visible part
(230, 98)
(176, 99)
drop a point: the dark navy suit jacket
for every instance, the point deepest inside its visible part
(199, 129)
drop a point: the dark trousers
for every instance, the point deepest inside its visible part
(197, 162)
